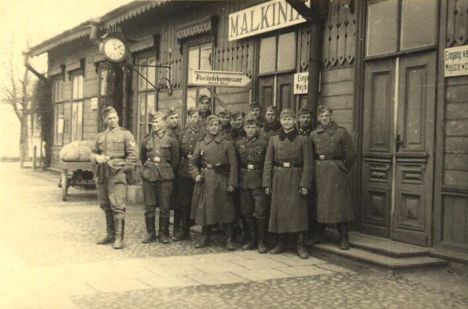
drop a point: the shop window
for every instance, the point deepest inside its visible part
(76, 108)
(146, 95)
(394, 25)
(57, 99)
(277, 65)
(199, 58)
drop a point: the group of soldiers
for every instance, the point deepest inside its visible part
(260, 174)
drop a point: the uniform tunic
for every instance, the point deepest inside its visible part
(159, 155)
(333, 160)
(215, 159)
(270, 130)
(289, 209)
(188, 140)
(119, 145)
(251, 154)
(304, 131)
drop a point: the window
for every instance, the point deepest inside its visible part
(394, 25)
(277, 65)
(57, 98)
(199, 58)
(76, 119)
(146, 95)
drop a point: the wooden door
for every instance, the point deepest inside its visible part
(266, 91)
(398, 146)
(285, 93)
(378, 147)
(414, 149)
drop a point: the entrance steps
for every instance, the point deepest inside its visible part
(384, 252)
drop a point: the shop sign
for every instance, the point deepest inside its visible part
(268, 16)
(456, 61)
(219, 78)
(301, 83)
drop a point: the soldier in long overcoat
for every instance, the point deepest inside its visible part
(159, 154)
(251, 151)
(188, 140)
(114, 152)
(213, 167)
(287, 177)
(334, 158)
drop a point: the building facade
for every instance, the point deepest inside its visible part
(382, 70)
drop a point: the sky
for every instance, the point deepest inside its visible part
(27, 23)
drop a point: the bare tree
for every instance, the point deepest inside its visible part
(15, 93)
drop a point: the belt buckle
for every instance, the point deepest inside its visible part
(189, 156)
(322, 157)
(250, 166)
(286, 164)
(209, 165)
(156, 159)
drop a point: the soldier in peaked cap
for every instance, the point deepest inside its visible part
(114, 152)
(287, 177)
(204, 105)
(237, 124)
(304, 121)
(255, 110)
(213, 166)
(224, 117)
(271, 126)
(334, 158)
(251, 150)
(188, 140)
(159, 155)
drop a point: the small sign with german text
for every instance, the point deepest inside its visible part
(301, 83)
(456, 61)
(219, 78)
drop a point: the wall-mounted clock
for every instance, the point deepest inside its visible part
(114, 49)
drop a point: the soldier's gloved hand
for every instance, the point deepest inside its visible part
(303, 191)
(100, 159)
(230, 188)
(267, 191)
(199, 178)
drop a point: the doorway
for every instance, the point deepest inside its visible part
(398, 147)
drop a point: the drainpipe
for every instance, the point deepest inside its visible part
(316, 15)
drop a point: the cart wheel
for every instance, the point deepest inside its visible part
(64, 181)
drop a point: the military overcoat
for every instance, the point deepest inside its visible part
(288, 166)
(334, 157)
(215, 159)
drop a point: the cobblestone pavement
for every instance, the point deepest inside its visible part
(49, 260)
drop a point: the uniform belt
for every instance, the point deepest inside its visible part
(328, 157)
(188, 156)
(157, 159)
(287, 164)
(252, 166)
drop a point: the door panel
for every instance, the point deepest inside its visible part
(266, 91)
(285, 91)
(414, 151)
(377, 147)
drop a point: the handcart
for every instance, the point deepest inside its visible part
(75, 174)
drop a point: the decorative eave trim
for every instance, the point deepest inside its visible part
(112, 22)
(59, 40)
(145, 43)
(207, 25)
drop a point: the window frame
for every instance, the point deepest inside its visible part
(399, 51)
(76, 120)
(58, 108)
(148, 90)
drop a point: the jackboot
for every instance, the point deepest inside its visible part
(110, 236)
(205, 237)
(177, 222)
(119, 224)
(229, 232)
(301, 249)
(344, 240)
(150, 229)
(184, 230)
(280, 244)
(261, 234)
(251, 229)
(164, 227)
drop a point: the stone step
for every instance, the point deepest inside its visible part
(382, 260)
(386, 246)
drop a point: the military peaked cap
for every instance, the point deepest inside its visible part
(212, 118)
(304, 111)
(254, 105)
(287, 112)
(322, 109)
(251, 121)
(192, 110)
(235, 115)
(273, 109)
(158, 115)
(170, 112)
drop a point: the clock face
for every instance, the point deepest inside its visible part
(114, 49)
